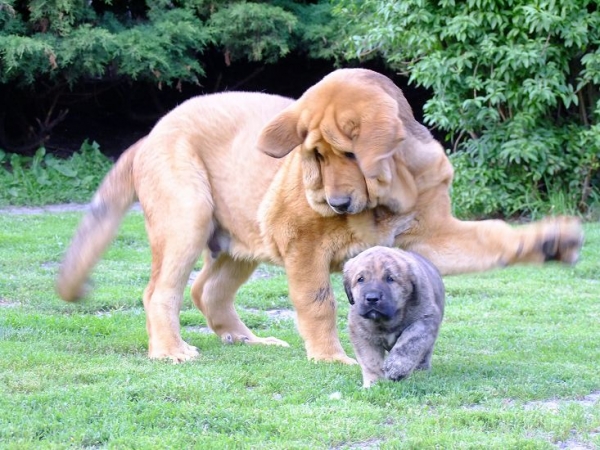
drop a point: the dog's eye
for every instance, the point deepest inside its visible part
(361, 279)
(350, 155)
(318, 155)
(389, 279)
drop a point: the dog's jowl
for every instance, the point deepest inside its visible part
(396, 308)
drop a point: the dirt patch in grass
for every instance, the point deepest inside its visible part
(554, 404)
(575, 441)
(62, 208)
(5, 303)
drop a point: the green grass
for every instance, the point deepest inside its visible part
(517, 363)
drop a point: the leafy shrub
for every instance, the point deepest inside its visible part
(74, 42)
(56, 54)
(45, 179)
(254, 31)
(515, 86)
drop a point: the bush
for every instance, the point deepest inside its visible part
(54, 54)
(515, 87)
(44, 179)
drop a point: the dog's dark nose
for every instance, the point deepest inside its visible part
(372, 297)
(340, 204)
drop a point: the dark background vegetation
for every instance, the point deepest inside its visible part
(511, 87)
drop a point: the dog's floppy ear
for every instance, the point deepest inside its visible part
(378, 140)
(348, 289)
(347, 273)
(425, 279)
(282, 134)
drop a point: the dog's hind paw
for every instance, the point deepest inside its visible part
(338, 357)
(182, 353)
(266, 341)
(228, 338)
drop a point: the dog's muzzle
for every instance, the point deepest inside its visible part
(340, 205)
(375, 306)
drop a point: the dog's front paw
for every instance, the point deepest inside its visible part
(397, 369)
(563, 242)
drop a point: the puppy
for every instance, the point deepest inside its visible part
(397, 306)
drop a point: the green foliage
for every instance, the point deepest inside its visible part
(71, 41)
(253, 30)
(156, 41)
(45, 179)
(515, 85)
(51, 49)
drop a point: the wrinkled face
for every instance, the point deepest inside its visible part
(378, 284)
(347, 129)
(333, 180)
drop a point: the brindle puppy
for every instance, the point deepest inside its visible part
(397, 305)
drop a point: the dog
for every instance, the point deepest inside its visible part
(396, 306)
(245, 178)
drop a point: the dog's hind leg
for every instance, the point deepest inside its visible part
(213, 293)
(174, 252)
(178, 212)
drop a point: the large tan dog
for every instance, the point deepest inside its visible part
(396, 308)
(250, 177)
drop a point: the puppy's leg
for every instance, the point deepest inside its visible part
(455, 246)
(312, 296)
(213, 293)
(411, 349)
(425, 363)
(369, 356)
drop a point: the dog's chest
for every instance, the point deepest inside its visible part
(389, 340)
(379, 226)
(362, 231)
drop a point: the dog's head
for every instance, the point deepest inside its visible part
(348, 127)
(379, 282)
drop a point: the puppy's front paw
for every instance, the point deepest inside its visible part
(397, 369)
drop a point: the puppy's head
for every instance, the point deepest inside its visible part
(379, 282)
(348, 128)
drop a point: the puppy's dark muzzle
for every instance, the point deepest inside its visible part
(373, 297)
(375, 305)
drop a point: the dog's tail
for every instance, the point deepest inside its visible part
(98, 227)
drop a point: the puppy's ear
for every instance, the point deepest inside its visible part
(424, 278)
(348, 289)
(282, 134)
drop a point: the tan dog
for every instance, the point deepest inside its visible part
(359, 171)
(397, 306)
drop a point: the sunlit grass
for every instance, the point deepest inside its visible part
(515, 365)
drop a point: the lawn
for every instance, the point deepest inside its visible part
(516, 365)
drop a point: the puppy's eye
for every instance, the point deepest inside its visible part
(350, 155)
(389, 279)
(318, 156)
(361, 279)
